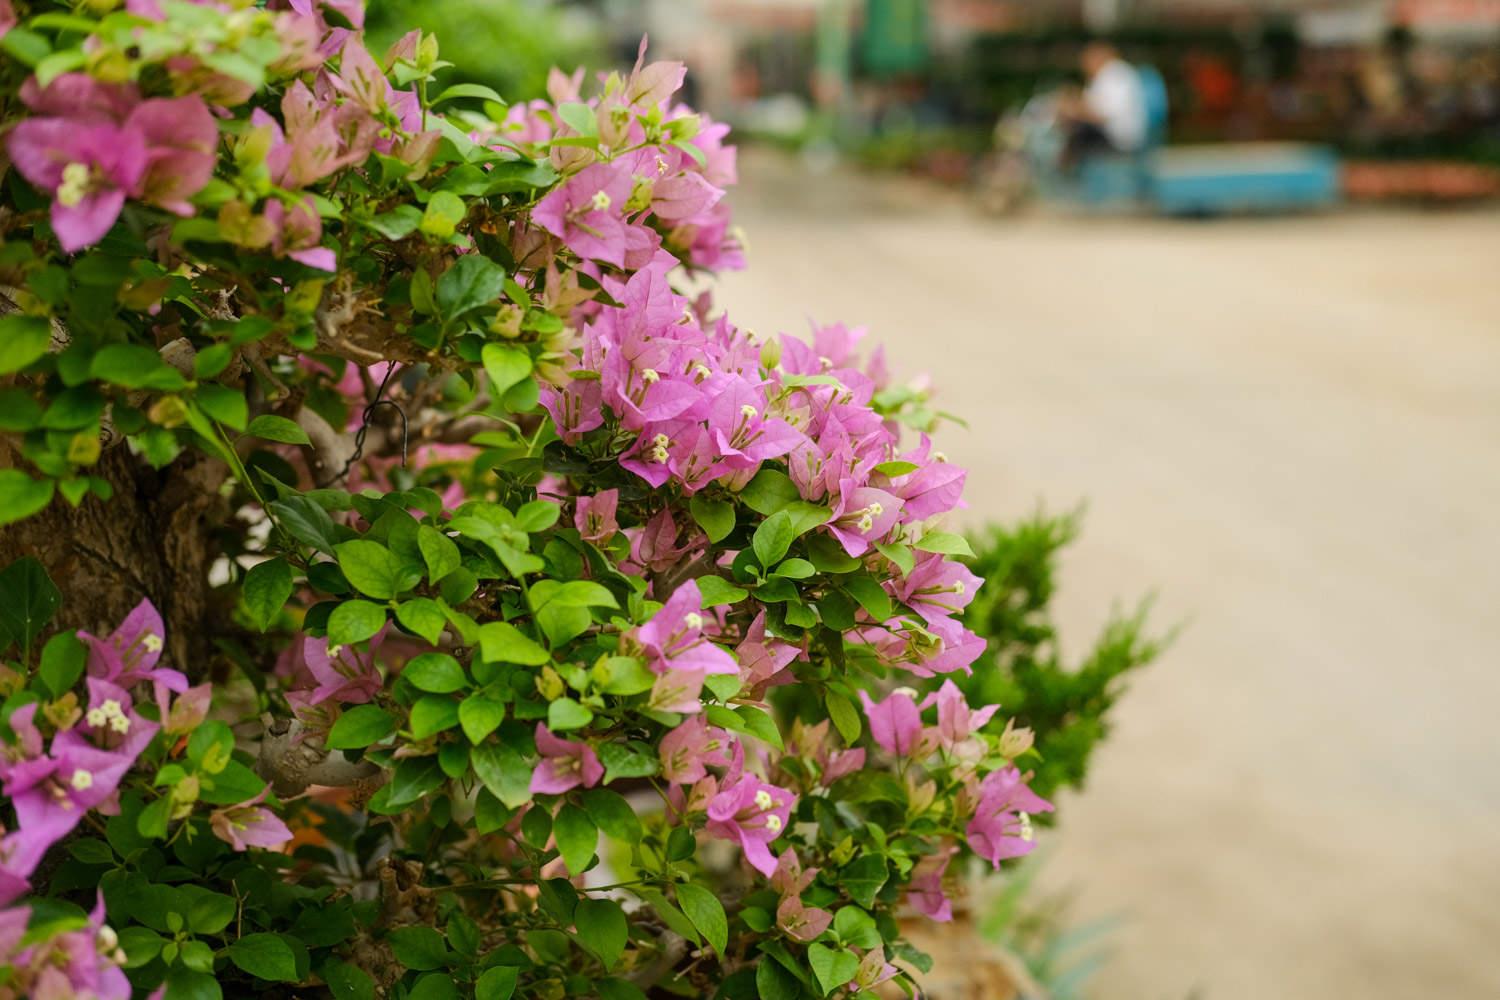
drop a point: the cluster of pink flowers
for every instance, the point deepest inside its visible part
(696, 407)
(600, 213)
(69, 965)
(52, 787)
(92, 145)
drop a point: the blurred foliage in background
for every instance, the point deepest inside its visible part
(1022, 668)
(508, 44)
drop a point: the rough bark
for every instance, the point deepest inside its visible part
(153, 539)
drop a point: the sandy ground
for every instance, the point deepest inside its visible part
(1290, 429)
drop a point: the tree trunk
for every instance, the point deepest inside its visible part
(153, 540)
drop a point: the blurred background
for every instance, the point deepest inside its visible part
(1261, 343)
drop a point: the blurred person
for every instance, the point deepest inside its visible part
(1109, 115)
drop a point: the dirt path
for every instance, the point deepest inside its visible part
(1291, 430)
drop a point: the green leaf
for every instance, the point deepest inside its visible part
(21, 496)
(498, 983)
(23, 339)
(468, 90)
(504, 772)
(354, 621)
(612, 814)
(844, 715)
(870, 595)
(432, 714)
(856, 927)
(623, 675)
(577, 837)
(414, 778)
(210, 746)
(581, 594)
(769, 491)
(434, 986)
(502, 642)
(480, 715)
(224, 404)
(273, 428)
(537, 515)
(505, 365)
(268, 586)
(898, 554)
(623, 761)
(602, 929)
(435, 672)
(439, 552)
(141, 945)
(399, 223)
(420, 948)
(565, 713)
(360, 726)
(706, 912)
(773, 538)
(265, 956)
(211, 912)
(582, 118)
(896, 468)
(307, 522)
(794, 569)
(28, 598)
(445, 210)
(135, 366)
(863, 877)
(348, 982)
(374, 569)
(472, 281)
(806, 516)
(945, 543)
(62, 664)
(832, 968)
(760, 725)
(91, 851)
(423, 616)
(716, 591)
(185, 984)
(715, 517)
(772, 982)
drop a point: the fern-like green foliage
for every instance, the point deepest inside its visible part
(1022, 669)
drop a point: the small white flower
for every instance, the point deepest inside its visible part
(693, 620)
(334, 651)
(120, 724)
(600, 201)
(75, 184)
(81, 781)
(152, 642)
(1027, 832)
(763, 799)
(107, 940)
(876, 509)
(650, 375)
(773, 823)
(749, 412)
(97, 718)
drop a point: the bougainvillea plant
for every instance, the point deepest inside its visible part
(409, 591)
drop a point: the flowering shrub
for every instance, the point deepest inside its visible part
(414, 593)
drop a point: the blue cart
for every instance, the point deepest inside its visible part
(1182, 180)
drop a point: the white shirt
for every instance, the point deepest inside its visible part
(1118, 100)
